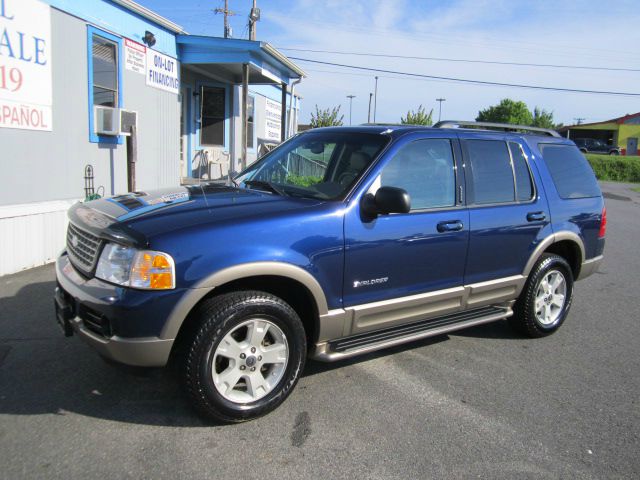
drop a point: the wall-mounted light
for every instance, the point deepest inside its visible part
(149, 38)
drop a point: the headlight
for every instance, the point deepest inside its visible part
(129, 267)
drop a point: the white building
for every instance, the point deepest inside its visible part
(72, 69)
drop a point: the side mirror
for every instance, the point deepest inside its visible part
(386, 200)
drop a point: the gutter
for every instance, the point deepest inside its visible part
(282, 59)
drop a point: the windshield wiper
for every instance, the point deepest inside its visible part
(266, 186)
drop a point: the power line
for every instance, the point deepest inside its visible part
(465, 80)
(464, 60)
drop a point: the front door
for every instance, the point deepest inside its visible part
(632, 146)
(405, 267)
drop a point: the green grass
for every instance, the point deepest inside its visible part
(636, 189)
(615, 168)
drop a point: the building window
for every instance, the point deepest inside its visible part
(104, 52)
(105, 72)
(251, 111)
(212, 115)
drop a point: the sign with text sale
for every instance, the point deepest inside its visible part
(25, 65)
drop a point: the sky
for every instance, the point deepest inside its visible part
(567, 33)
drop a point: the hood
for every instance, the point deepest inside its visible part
(135, 217)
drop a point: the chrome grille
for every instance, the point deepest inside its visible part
(83, 248)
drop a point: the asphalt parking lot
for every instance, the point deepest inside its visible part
(480, 403)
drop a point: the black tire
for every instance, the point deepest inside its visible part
(525, 319)
(584, 150)
(218, 317)
(614, 152)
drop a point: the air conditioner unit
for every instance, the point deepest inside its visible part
(128, 119)
(106, 121)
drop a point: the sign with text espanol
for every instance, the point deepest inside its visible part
(162, 72)
(135, 56)
(273, 120)
(25, 65)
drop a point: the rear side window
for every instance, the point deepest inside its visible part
(572, 175)
(491, 171)
(524, 185)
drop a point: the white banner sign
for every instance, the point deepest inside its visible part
(273, 120)
(135, 56)
(25, 65)
(162, 72)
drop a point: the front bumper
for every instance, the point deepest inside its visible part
(75, 296)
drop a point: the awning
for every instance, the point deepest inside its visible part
(223, 58)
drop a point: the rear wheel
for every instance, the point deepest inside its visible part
(246, 356)
(546, 298)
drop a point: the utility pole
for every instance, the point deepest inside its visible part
(369, 114)
(375, 101)
(227, 13)
(350, 97)
(440, 100)
(254, 16)
(579, 120)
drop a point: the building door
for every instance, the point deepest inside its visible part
(632, 146)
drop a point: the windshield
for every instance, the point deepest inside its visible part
(322, 165)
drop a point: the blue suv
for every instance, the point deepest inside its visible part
(339, 242)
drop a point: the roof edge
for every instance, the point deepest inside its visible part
(281, 57)
(150, 15)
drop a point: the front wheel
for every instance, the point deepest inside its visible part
(546, 298)
(246, 356)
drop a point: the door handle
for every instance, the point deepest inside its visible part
(536, 216)
(450, 226)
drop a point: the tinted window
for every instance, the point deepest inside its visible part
(492, 175)
(524, 185)
(425, 169)
(571, 173)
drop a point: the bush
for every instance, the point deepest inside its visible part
(302, 180)
(615, 168)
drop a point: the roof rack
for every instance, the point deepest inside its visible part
(501, 126)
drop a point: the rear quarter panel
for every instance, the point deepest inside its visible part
(581, 216)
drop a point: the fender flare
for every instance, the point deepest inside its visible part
(246, 270)
(550, 240)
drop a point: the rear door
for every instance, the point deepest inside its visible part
(508, 212)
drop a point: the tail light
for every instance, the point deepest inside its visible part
(603, 223)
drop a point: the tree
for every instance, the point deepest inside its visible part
(326, 118)
(542, 118)
(507, 111)
(511, 111)
(418, 117)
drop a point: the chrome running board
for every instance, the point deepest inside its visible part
(370, 341)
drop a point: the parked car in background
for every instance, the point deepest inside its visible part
(339, 242)
(591, 145)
